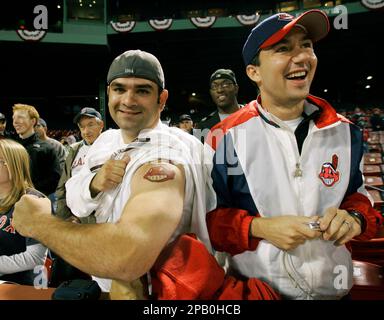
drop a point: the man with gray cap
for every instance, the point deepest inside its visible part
(297, 195)
(223, 90)
(145, 182)
(41, 130)
(186, 123)
(90, 124)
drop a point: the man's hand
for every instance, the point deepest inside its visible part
(27, 212)
(285, 232)
(109, 176)
(339, 226)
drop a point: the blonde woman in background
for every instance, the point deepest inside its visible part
(18, 255)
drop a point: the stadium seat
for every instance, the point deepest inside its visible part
(377, 199)
(375, 147)
(373, 158)
(370, 251)
(372, 170)
(368, 279)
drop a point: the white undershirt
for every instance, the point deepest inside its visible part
(293, 124)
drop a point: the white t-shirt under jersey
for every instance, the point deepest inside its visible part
(293, 124)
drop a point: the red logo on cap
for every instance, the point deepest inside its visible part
(285, 17)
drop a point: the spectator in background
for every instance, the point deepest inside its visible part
(377, 120)
(91, 125)
(18, 255)
(186, 123)
(41, 130)
(223, 90)
(71, 139)
(67, 142)
(45, 164)
(359, 118)
(3, 127)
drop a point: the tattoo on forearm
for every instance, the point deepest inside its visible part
(160, 173)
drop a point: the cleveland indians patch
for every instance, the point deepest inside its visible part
(159, 174)
(285, 16)
(329, 174)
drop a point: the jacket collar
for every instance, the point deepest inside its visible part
(316, 109)
(31, 139)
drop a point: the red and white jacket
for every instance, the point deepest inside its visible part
(256, 169)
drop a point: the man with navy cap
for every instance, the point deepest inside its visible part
(297, 195)
(90, 124)
(144, 183)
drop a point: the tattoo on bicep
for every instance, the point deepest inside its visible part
(160, 174)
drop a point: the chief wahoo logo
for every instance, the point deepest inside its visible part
(328, 173)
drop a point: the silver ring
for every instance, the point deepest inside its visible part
(314, 225)
(348, 223)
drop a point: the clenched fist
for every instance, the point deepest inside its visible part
(27, 212)
(109, 176)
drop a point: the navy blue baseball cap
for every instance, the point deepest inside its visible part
(273, 29)
(87, 112)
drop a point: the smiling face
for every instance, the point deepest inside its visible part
(286, 70)
(224, 93)
(90, 128)
(23, 123)
(135, 104)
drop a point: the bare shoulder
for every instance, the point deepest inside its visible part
(158, 174)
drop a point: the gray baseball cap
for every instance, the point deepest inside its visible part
(42, 122)
(137, 64)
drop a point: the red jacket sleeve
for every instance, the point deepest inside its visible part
(373, 218)
(229, 230)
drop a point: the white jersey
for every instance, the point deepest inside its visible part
(267, 175)
(161, 142)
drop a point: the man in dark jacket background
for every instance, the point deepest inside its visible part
(45, 165)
